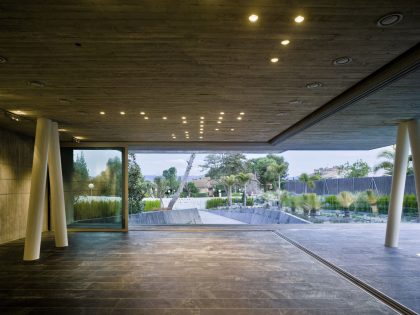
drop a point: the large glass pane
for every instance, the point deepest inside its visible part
(93, 187)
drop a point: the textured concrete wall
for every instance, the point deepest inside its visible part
(16, 153)
(190, 216)
(259, 216)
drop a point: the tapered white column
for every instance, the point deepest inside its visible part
(397, 188)
(414, 135)
(37, 192)
(56, 187)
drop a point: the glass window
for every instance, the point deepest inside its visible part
(93, 187)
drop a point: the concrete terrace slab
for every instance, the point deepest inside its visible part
(185, 270)
(359, 249)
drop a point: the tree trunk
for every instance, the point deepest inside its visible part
(374, 207)
(279, 182)
(245, 195)
(230, 196)
(183, 182)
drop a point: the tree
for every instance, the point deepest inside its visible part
(308, 180)
(346, 199)
(387, 164)
(183, 181)
(228, 182)
(243, 179)
(358, 169)
(266, 171)
(161, 186)
(372, 198)
(171, 178)
(218, 165)
(138, 188)
(109, 182)
(310, 203)
(190, 188)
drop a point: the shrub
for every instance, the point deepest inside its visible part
(383, 202)
(330, 203)
(200, 195)
(410, 204)
(151, 205)
(361, 202)
(216, 202)
(93, 209)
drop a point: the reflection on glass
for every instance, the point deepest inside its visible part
(93, 187)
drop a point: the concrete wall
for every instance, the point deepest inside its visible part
(259, 216)
(16, 153)
(190, 216)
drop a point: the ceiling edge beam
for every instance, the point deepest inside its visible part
(391, 72)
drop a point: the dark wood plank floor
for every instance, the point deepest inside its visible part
(190, 271)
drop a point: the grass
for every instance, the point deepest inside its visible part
(84, 210)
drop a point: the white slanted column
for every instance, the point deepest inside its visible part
(56, 186)
(397, 188)
(37, 192)
(414, 134)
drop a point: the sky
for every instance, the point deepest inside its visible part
(299, 161)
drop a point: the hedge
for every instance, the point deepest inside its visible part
(94, 209)
(223, 202)
(151, 205)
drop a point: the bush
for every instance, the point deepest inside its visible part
(216, 202)
(361, 203)
(151, 205)
(200, 195)
(330, 203)
(410, 204)
(84, 210)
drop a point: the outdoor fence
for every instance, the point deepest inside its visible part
(333, 186)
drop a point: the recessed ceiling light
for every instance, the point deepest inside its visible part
(102, 113)
(232, 129)
(145, 117)
(389, 19)
(274, 60)
(201, 129)
(164, 117)
(202, 117)
(184, 121)
(3, 59)
(295, 102)
(220, 118)
(217, 129)
(36, 83)
(186, 131)
(201, 132)
(201, 137)
(142, 113)
(62, 130)
(285, 42)
(219, 122)
(122, 113)
(314, 85)
(241, 113)
(183, 117)
(222, 113)
(201, 122)
(239, 118)
(342, 61)
(299, 19)
(201, 126)
(253, 18)
(173, 137)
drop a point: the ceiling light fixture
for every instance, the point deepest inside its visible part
(184, 121)
(3, 59)
(241, 113)
(183, 117)
(36, 83)
(164, 117)
(253, 18)
(12, 116)
(274, 60)
(222, 113)
(201, 129)
(201, 122)
(201, 126)
(142, 113)
(219, 122)
(186, 131)
(299, 19)
(285, 42)
(62, 130)
(201, 117)
(239, 118)
(314, 85)
(220, 118)
(145, 117)
(201, 132)
(122, 113)
(217, 129)
(342, 61)
(232, 129)
(201, 137)
(389, 19)
(102, 113)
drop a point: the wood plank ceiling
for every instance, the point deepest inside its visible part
(70, 60)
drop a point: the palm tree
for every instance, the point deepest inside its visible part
(372, 199)
(346, 199)
(388, 163)
(309, 180)
(276, 171)
(228, 182)
(161, 186)
(243, 179)
(184, 180)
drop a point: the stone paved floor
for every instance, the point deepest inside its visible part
(359, 249)
(190, 270)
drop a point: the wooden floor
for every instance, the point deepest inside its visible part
(198, 271)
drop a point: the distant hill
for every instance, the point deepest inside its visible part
(152, 177)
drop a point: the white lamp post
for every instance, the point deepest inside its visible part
(91, 186)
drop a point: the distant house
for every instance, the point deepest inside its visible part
(329, 172)
(204, 185)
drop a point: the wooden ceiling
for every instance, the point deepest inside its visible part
(68, 61)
